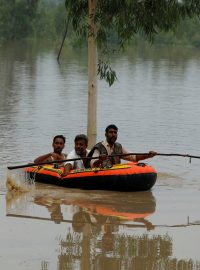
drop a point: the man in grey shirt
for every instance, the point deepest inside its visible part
(110, 147)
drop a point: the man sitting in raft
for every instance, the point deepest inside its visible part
(110, 147)
(80, 151)
(58, 145)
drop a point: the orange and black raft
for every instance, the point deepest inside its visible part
(122, 177)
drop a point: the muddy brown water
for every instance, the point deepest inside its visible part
(155, 104)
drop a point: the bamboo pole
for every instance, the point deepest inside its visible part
(92, 75)
(97, 157)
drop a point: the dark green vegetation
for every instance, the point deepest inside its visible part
(21, 19)
(47, 19)
(119, 23)
(187, 33)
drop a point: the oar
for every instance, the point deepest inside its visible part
(85, 158)
(178, 155)
(48, 162)
(65, 160)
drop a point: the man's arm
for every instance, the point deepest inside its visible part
(67, 169)
(43, 158)
(149, 155)
(128, 158)
(136, 158)
(97, 162)
(69, 165)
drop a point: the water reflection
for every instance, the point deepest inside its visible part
(96, 208)
(95, 237)
(115, 252)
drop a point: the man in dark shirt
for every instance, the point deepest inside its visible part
(110, 147)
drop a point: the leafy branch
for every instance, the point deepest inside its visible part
(127, 18)
(105, 72)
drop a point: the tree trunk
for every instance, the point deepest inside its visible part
(92, 75)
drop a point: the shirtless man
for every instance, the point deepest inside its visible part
(58, 145)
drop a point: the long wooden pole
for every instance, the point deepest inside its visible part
(92, 75)
(86, 158)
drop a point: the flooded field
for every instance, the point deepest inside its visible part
(155, 104)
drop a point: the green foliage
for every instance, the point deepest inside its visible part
(51, 19)
(43, 24)
(119, 22)
(59, 18)
(127, 18)
(106, 72)
(16, 18)
(31, 18)
(187, 33)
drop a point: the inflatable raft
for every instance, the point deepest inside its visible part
(121, 177)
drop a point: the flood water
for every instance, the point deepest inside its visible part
(155, 103)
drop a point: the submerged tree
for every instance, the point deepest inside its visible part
(127, 18)
(96, 19)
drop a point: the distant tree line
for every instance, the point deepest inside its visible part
(21, 19)
(187, 33)
(16, 18)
